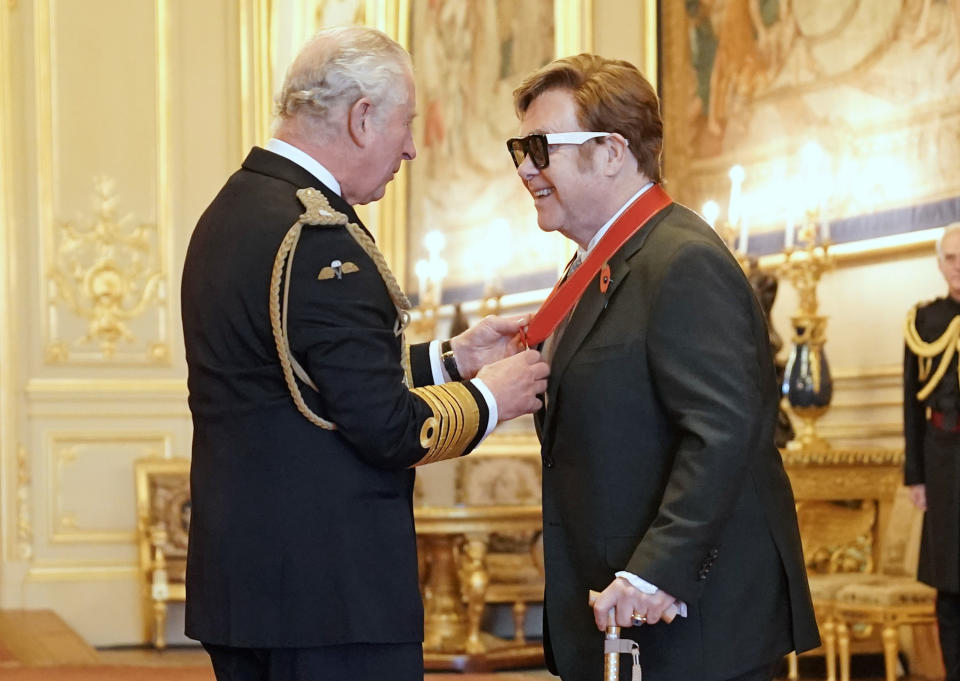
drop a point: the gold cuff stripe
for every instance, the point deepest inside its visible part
(455, 421)
(947, 345)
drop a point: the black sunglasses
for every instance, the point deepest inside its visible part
(536, 145)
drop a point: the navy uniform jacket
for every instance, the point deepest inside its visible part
(299, 536)
(659, 459)
(932, 454)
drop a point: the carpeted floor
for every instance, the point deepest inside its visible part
(129, 673)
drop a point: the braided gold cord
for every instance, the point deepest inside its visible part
(947, 344)
(279, 336)
(319, 212)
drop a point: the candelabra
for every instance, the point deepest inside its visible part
(430, 275)
(733, 229)
(806, 383)
(492, 293)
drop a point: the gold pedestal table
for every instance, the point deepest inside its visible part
(453, 552)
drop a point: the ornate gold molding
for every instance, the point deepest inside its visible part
(859, 456)
(81, 571)
(64, 449)
(42, 389)
(22, 544)
(256, 98)
(651, 63)
(101, 297)
(871, 251)
(24, 524)
(573, 26)
(107, 273)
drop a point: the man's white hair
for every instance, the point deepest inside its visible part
(949, 229)
(337, 67)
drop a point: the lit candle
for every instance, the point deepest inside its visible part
(434, 241)
(422, 268)
(825, 230)
(710, 212)
(736, 181)
(788, 234)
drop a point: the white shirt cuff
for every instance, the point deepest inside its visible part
(648, 588)
(440, 376)
(491, 406)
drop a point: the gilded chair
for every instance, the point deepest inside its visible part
(891, 599)
(163, 522)
(844, 503)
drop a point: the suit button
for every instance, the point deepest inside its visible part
(714, 553)
(548, 462)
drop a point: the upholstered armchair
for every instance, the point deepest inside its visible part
(890, 599)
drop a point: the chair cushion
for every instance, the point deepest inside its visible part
(824, 587)
(886, 592)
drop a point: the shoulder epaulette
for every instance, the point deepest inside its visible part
(319, 212)
(943, 347)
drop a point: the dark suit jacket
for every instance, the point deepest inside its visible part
(658, 459)
(299, 536)
(932, 456)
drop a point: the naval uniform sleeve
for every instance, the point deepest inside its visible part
(426, 368)
(705, 367)
(421, 365)
(341, 330)
(914, 415)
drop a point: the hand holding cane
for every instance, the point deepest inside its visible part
(611, 660)
(613, 645)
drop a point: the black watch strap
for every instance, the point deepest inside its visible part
(449, 361)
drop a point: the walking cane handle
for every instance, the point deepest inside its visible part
(668, 615)
(611, 614)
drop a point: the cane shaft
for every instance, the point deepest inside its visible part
(611, 663)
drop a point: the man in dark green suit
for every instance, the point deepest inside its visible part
(302, 557)
(662, 487)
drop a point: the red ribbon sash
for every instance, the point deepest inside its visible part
(564, 296)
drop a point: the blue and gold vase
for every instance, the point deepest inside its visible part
(806, 380)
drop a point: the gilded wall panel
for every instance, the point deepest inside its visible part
(81, 462)
(104, 189)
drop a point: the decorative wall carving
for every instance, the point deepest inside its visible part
(105, 274)
(82, 461)
(24, 524)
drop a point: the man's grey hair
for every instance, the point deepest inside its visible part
(337, 67)
(949, 229)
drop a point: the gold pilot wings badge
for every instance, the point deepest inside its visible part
(337, 269)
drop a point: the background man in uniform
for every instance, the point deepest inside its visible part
(661, 482)
(931, 428)
(302, 560)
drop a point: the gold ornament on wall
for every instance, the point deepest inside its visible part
(107, 275)
(24, 525)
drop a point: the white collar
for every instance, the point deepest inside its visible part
(305, 161)
(581, 253)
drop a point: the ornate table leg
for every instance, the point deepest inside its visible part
(474, 586)
(443, 619)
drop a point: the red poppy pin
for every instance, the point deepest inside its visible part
(605, 278)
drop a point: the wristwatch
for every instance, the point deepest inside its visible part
(449, 361)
